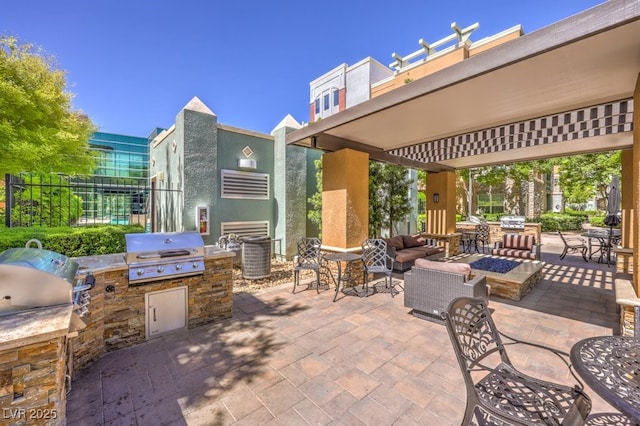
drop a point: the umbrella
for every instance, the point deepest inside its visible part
(613, 204)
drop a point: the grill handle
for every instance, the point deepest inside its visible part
(164, 253)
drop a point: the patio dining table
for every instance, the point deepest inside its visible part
(469, 238)
(345, 277)
(610, 365)
(606, 239)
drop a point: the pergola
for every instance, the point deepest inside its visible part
(569, 88)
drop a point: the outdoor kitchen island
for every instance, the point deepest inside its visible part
(119, 311)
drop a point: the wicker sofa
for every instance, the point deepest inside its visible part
(517, 245)
(430, 286)
(406, 249)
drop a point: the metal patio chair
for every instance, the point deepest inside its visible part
(482, 236)
(376, 260)
(308, 257)
(573, 245)
(497, 393)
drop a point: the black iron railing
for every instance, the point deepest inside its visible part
(58, 200)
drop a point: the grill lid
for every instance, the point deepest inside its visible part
(34, 278)
(513, 222)
(166, 244)
(164, 255)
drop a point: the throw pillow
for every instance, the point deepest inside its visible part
(395, 242)
(410, 241)
(458, 268)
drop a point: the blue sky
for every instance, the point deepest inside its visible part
(134, 64)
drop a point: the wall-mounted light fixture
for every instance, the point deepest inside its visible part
(436, 197)
(247, 163)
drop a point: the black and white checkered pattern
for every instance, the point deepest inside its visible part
(605, 119)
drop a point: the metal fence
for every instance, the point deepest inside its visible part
(59, 200)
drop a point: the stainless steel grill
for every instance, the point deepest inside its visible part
(159, 256)
(512, 222)
(32, 278)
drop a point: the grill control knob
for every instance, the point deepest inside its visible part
(160, 269)
(195, 264)
(140, 272)
(178, 267)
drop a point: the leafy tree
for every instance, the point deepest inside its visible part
(314, 214)
(38, 129)
(376, 214)
(517, 174)
(46, 199)
(388, 196)
(588, 175)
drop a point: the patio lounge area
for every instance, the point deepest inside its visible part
(299, 359)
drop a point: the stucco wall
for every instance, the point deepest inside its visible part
(291, 190)
(201, 182)
(167, 163)
(230, 145)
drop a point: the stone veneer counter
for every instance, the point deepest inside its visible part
(35, 325)
(33, 350)
(106, 262)
(35, 344)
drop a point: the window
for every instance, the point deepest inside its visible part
(326, 102)
(336, 97)
(247, 185)
(317, 105)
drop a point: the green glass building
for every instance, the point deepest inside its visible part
(118, 189)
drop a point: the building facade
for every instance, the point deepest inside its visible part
(222, 180)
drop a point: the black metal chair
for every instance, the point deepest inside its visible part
(573, 245)
(482, 236)
(376, 260)
(309, 257)
(497, 393)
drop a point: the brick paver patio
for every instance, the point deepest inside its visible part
(298, 359)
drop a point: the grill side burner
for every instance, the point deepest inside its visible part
(153, 257)
(512, 222)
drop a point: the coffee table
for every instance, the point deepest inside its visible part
(513, 284)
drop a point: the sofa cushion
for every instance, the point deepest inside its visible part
(517, 241)
(510, 252)
(395, 242)
(458, 268)
(427, 250)
(410, 241)
(409, 255)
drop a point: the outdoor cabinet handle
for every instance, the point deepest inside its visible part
(154, 315)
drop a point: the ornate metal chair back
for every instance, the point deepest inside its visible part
(374, 256)
(473, 334)
(309, 253)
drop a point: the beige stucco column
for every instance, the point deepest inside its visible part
(441, 215)
(345, 199)
(635, 205)
(626, 184)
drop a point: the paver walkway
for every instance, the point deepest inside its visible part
(298, 359)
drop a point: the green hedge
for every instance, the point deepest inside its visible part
(559, 222)
(71, 242)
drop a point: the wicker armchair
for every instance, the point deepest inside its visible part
(428, 291)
